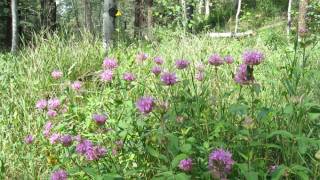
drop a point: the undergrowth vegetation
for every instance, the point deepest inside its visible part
(169, 109)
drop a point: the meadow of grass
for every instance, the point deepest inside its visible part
(270, 126)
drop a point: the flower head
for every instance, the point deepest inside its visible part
(243, 75)
(220, 163)
(186, 164)
(95, 153)
(200, 66)
(41, 104)
(29, 139)
(252, 57)
(52, 113)
(182, 64)
(272, 168)
(59, 175)
(53, 103)
(100, 119)
(168, 78)
(128, 76)
(66, 140)
(156, 70)
(56, 74)
(228, 59)
(215, 60)
(54, 138)
(47, 128)
(110, 63)
(145, 104)
(106, 76)
(158, 60)
(84, 146)
(76, 85)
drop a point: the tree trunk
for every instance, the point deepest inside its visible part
(14, 13)
(184, 13)
(9, 26)
(302, 27)
(200, 7)
(237, 16)
(108, 22)
(207, 8)
(88, 16)
(289, 18)
(149, 14)
(138, 18)
(49, 15)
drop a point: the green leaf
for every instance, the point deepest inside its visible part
(240, 109)
(251, 175)
(279, 172)
(173, 145)
(181, 176)
(282, 133)
(156, 153)
(186, 148)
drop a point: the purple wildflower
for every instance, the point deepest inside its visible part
(128, 76)
(41, 104)
(220, 163)
(182, 64)
(59, 175)
(242, 76)
(56, 74)
(215, 60)
(83, 146)
(54, 138)
(169, 79)
(141, 57)
(52, 113)
(186, 164)
(228, 59)
(158, 60)
(95, 153)
(66, 140)
(199, 76)
(145, 104)
(110, 63)
(156, 70)
(252, 57)
(100, 119)
(53, 103)
(29, 139)
(106, 75)
(76, 85)
(47, 128)
(272, 168)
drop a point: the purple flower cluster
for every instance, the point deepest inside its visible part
(186, 165)
(109, 63)
(220, 163)
(59, 175)
(242, 75)
(66, 140)
(252, 57)
(168, 78)
(182, 64)
(156, 70)
(41, 104)
(47, 129)
(145, 104)
(89, 150)
(228, 59)
(100, 119)
(56, 74)
(128, 77)
(76, 85)
(141, 57)
(215, 60)
(29, 139)
(106, 75)
(199, 76)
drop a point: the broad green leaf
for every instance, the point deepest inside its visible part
(177, 160)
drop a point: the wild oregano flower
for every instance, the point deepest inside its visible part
(106, 76)
(76, 85)
(228, 59)
(128, 77)
(199, 76)
(182, 64)
(109, 63)
(252, 57)
(158, 60)
(156, 70)
(59, 175)
(100, 119)
(220, 163)
(29, 139)
(168, 78)
(41, 104)
(47, 129)
(66, 140)
(215, 60)
(145, 104)
(56, 74)
(53, 103)
(89, 150)
(186, 165)
(243, 75)
(52, 113)
(54, 138)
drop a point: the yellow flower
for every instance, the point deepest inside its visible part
(118, 13)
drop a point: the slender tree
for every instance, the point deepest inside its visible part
(237, 16)
(302, 27)
(48, 14)
(88, 16)
(289, 17)
(108, 21)
(139, 18)
(207, 8)
(14, 14)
